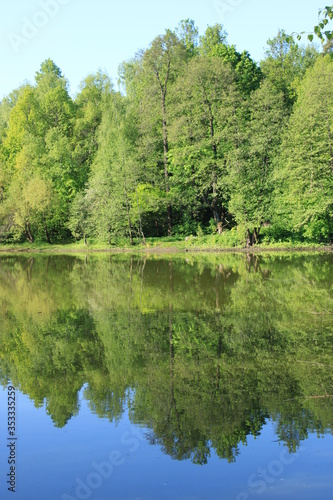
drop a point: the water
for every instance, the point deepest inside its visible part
(197, 377)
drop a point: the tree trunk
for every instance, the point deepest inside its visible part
(255, 236)
(219, 228)
(166, 151)
(140, 222)
(252, 237)
(127, 206)
(215, 208)
(248, 239)
(28, 234)
(48, 239)
(330, 138)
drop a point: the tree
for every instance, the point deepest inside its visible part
(251, 165)
(6, 106)
(90, 103)
(248, 74)
(206, 101)
(38, 145)
(188, 33)
(34, 199)
(56, 106)
(286, 64)
(161, 65)
(304, 177)
(78, 223)
(7, 147)
(109, 206)
(214, 37)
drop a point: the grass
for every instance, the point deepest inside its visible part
(225, 242)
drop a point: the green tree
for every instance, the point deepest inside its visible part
(188, 33)
(214, 37)
(106, 207)
(248, 73)
(304, 178)
(285, 65)
(38, 146)
(252, 164)
(159, 67)
(34, 199)
(90, 102)
(206, 102)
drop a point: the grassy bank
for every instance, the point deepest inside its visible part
(161, 245)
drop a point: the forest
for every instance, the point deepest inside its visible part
(200, 140)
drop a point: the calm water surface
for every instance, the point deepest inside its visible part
(205, 377)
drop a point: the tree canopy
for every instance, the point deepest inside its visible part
(201, 140)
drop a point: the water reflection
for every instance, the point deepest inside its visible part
(202, 351)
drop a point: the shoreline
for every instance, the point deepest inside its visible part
(62, 250)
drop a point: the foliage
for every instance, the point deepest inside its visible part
(304, 178)
(325, 15)
(202, 141)
(285, 65)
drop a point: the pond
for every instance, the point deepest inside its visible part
(166, 377)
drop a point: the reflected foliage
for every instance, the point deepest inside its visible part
(201, 350)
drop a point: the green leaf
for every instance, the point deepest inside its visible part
(310, 37)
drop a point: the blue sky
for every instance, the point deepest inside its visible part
(82, 36)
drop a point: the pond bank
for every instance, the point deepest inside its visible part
(163, 248)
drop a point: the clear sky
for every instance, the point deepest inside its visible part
(82, 36)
